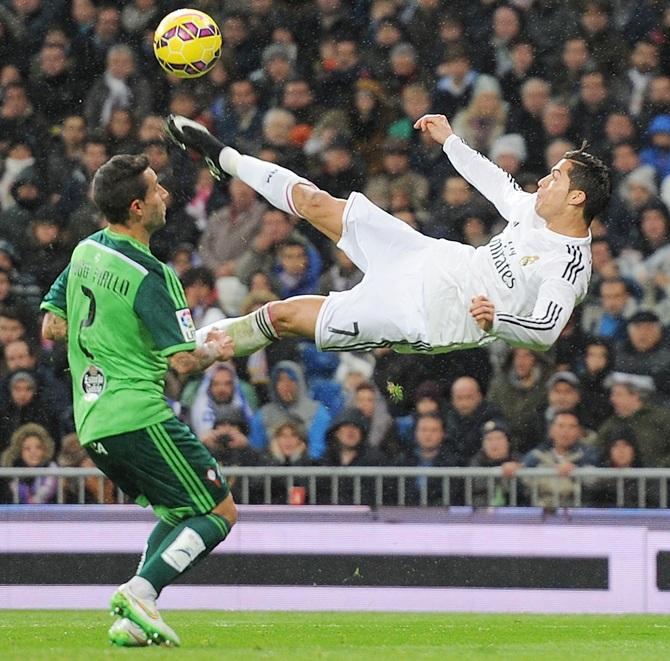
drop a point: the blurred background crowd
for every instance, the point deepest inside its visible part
(331, 89)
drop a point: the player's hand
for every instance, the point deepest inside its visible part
(483, 312)
(437, 125)
(222, 344)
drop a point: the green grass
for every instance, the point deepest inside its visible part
(214, 635)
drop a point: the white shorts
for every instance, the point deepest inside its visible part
(390, 306)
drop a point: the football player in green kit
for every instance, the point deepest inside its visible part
(125, 318)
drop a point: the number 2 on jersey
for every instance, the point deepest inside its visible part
(85, 323)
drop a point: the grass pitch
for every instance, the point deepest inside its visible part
(213, 635)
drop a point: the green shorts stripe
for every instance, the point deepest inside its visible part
(170, 460)
(198, 490)
(188, 470)
(177, 463)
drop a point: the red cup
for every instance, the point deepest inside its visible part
(296, 496)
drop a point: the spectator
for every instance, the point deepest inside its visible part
(342, 275)
(465, 417)
(593, 106)
(66, 154)
(24, 405)
(230, 229)
(593, 372)
(216, 395)
(288, 448)
(564, 393)
(370, 403)
(658, 153)
(619, 451)
(296, 270)
(629, 395)
(238, 122)
(575, 60)
(397, 174)
(525, 119)
(565, 452)
(96, 490)
(347, 445)
(608, 48)
(484, 118)
(646, 351)
(608, 319)
(119, 87)
(496, 450)
(200, 295)
(31, 446)
(289, 399)
(519, 391)
(430, 449)
(456, 81)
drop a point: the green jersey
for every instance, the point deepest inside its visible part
(126, 314)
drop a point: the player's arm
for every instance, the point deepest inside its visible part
(555, 303)
(54, 327)
(492, 182)
(54, 304)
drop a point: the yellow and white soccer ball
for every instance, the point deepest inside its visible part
(187, 43)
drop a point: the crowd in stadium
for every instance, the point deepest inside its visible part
(331, 89)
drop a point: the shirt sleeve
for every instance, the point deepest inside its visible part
(161, 305)
(55, 299)
(493, 183)
(555, 303)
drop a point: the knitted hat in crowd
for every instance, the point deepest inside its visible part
(511, 144)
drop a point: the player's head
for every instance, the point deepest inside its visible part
(580, 181)
(127, 192)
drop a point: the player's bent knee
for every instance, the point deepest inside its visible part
(227, 509)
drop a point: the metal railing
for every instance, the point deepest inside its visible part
(379, 486)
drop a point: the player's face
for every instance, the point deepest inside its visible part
(554, 190)
(153, 204)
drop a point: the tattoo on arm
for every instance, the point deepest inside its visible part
(54, 327)
(187, 362)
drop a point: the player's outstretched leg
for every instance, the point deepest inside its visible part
(279, 186)
(289, 318)
(125, 633)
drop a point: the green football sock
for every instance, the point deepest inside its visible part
(158, 534)
(183, 547)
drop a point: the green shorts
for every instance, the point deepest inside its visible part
(164, 465)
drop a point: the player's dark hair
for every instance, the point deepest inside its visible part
(117, 183)
(591, 175)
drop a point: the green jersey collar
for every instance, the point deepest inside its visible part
(116, 236)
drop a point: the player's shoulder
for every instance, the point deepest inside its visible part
(570, 263)
(129, 253)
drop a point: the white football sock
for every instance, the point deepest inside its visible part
(228, 160)
(249, 333)
(274, 182)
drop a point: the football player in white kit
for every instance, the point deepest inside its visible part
(425, 295)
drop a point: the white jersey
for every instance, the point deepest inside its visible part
(533, 275)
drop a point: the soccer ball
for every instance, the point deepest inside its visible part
(187, 43)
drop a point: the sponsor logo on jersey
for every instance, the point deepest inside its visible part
(497, 249)
(529, 259)
(92, 383)
(186, 324)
